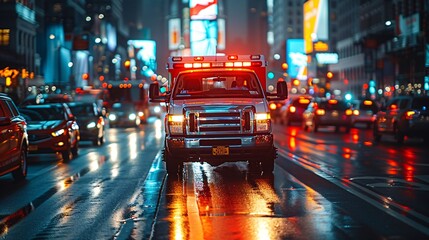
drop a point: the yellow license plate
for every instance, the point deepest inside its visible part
(32, 148)
(220, 150)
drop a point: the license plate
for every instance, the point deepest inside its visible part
(220, 150)
(32, 148)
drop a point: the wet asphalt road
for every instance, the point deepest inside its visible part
(325, 185)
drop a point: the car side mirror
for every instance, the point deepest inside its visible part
(154, 93)
(282, 91)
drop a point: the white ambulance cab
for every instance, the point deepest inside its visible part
(217, 111)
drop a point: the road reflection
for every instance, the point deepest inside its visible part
(228, 202)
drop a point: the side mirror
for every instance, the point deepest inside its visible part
(154, 93)
(282, 91)
(153, 90)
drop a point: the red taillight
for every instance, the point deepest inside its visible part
(320, 112)
(273, 106)
(409, 115)
(292, 109)
(349, 112)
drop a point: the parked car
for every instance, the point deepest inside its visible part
(123, 115)
(364, 111)
(330, 112)
(13, 140)
(292, 111)
(90, 121)
(404, 116)
(47, 98)
(52, 128)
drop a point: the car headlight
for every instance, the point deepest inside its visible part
(175, 124)
(157, 109)
(91, 125)
(132, 116)
(263, 122)
(141, 114)
(112, 117)
(58, 133)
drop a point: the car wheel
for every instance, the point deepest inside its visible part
(376, 134)
(399, 135)
(172, 166)
(96, 142)
(267, 165)
(315, 126)
(67, 155)
(304, 125)
(253, 167)
(75, 149)
(21, 172)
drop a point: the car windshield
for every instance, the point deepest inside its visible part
(123, 107)
(217, 85)
(42, 113)
(83, 110)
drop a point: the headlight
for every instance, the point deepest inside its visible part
(175, 124)
(132, 116)
(157, 109)
(112, 117)
(263, 122)
(141, 114)
(58, 133)
(91, 125)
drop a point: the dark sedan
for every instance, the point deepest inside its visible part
(52, 128)
(90, 121)
(123, 115)
(404, 116)
(330, 112)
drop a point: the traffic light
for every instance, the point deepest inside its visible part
(270, 75)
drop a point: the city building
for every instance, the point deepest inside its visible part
(17, 46)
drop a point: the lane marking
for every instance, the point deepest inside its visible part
(388, 205)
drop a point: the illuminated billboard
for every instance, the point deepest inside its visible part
(203, 9)
(316, 22)
(174, 33)
(203, 37)
(296, 59)
(145, 56)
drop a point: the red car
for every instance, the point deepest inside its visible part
(52, 128)
(13, 140)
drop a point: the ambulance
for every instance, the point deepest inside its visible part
(217, 111)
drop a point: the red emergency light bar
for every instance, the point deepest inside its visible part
(216, 61)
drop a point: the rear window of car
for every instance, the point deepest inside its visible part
(420, 103)
(333, 105)
(301, 102)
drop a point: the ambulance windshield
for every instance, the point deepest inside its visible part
(217, 85)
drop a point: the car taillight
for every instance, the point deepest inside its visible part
(273, 106)
(320, 112)
(292, 109)
(356, 112)
(349, 112)
(409, 114)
